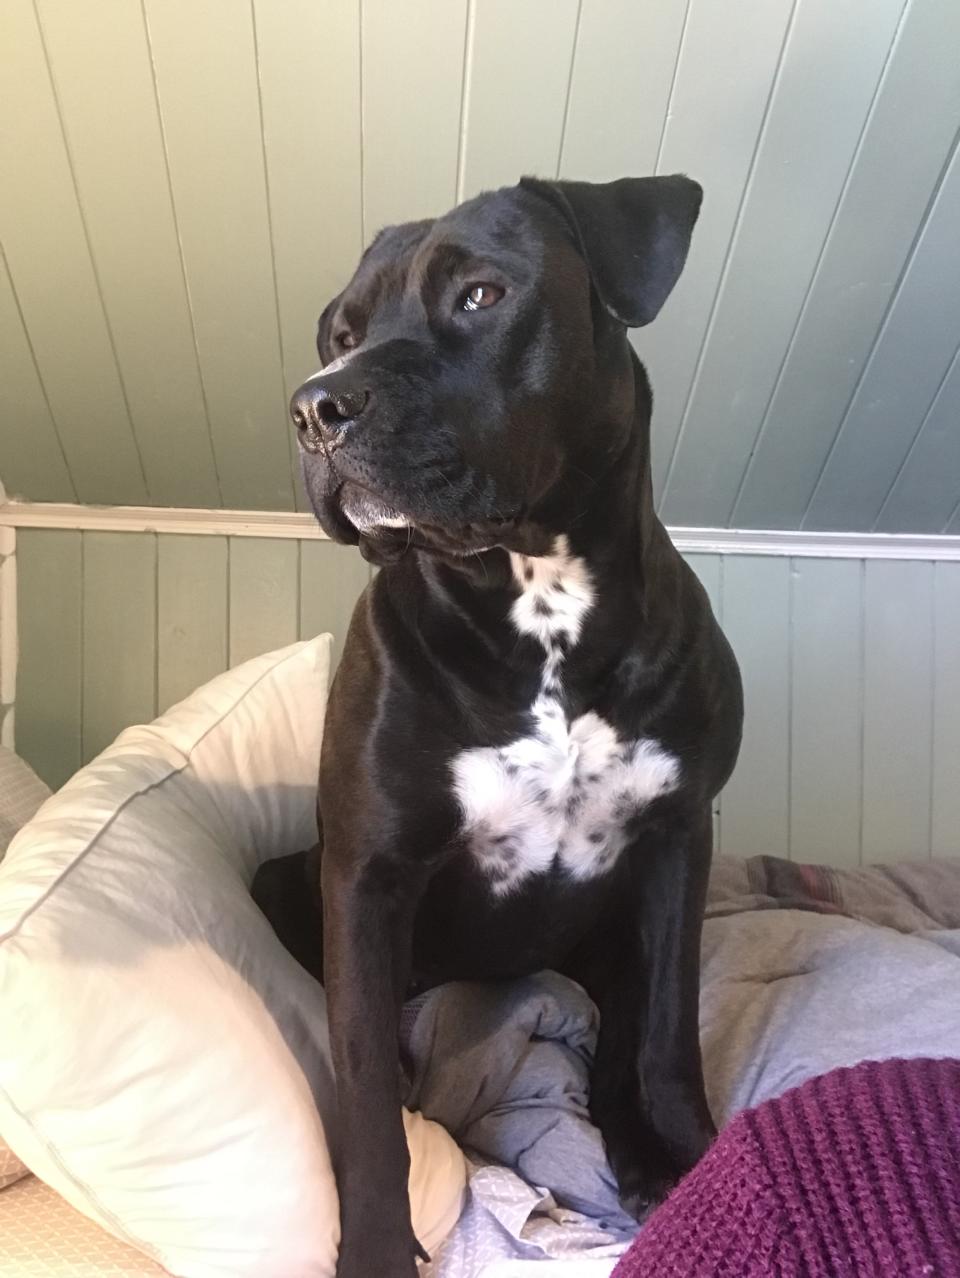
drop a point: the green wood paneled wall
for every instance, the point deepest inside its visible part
(114, 628)
(851, 669)
(187, 181)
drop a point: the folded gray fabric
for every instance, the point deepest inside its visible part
(505, 1068)
(804, 969)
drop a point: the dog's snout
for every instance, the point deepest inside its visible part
(322, 414)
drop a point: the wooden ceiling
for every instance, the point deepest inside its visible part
(186, 182)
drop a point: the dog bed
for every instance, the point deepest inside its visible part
(127, 1085)
(805, 969)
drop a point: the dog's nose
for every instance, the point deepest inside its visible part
(322, 416)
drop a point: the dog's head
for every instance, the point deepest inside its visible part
(477, 363)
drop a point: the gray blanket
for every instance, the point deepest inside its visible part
(804, 970)
(506, 1069)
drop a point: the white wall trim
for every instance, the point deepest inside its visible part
(814, 545)
(302, 526)
(162, 519)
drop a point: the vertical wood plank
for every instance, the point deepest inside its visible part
(411, 108)
(755, 804)
(313, 167)
(50, 586)
(909, 133)
(623, 69)
(927, 489)
(711, 134)
(920, 334)
(314, 178)
(191, 614)
(264, 589)
(801, 163)
(46, 249)
(331, 581)
(33, 462)
(210, 111)
(945, 821)
(826, 693)
(897, 709)
(119, 635)
(101, 68)
(520, 72)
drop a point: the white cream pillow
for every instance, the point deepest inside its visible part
(164, 1062)
(21, 793)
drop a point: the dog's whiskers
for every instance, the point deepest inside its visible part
(479, 558)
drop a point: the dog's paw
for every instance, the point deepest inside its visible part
(645, 1180)
(643, 1190)
(642, 1201)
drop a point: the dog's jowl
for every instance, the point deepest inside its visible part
(535, 706)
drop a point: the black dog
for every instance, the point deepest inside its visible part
(535, 705)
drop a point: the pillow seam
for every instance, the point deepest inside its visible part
(154, 785)
(53, 1153)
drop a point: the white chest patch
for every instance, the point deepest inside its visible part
(564, 794)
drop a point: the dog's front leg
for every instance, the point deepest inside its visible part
(647, 1093)
(368, 911)
(672, 875)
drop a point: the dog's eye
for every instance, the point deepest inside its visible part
(479, 296)
(346, 340)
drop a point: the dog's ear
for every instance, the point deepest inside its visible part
(634, 234)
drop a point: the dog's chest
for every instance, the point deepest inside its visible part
(561, 797)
